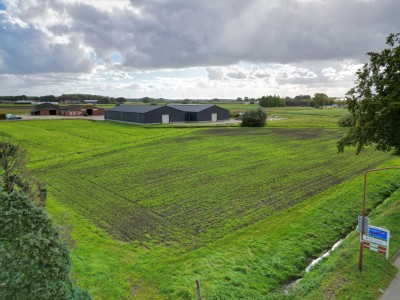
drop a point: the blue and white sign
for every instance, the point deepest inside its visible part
(376, 239)
(378, 233)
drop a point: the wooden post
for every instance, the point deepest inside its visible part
(198, 289)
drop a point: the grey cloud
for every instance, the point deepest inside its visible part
(181, 33)
(215, 73)
(26, 49)
(236, 74)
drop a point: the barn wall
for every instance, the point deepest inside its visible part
(97, 111)
(131, 117)
(205, 115)
(44, 112)
(74, 112)
(155, 116)
(113, 115)
(175, 115)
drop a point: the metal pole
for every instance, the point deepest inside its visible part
(360, 261)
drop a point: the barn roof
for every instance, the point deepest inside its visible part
(134, 108)
(74, 107)
(190, 107)
(45, 106)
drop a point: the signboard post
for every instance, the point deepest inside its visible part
(362, 240)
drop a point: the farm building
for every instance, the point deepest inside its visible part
(202, 113)
(82, 111)
(47, 109)
(152, 114)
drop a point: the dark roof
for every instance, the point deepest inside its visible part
(45, 106)
(73, 107)
(134, 108)
(190, 107)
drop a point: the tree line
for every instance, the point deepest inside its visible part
(66, 97)
(318, 101)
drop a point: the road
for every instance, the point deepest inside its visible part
(29, 117)
(393, 291)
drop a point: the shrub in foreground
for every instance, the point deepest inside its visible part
(34, 261)
(254, 118)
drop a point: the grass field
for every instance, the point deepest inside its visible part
(153, 209)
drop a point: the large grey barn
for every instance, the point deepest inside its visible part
(152, 114)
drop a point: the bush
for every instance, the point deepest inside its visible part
(346, 120)
(3, 117)
(234, 114)
(254, 118)
(34, 261)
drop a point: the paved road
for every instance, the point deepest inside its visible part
(393, 291)
(29, 117)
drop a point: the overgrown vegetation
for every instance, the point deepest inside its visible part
(346, 120)
(14, 175)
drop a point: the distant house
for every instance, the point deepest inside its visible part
(152, 114)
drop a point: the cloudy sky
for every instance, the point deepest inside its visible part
(189, 48)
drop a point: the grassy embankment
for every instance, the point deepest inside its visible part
(231, 206)
(338, 277)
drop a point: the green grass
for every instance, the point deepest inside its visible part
(15, 109)
(242, 209)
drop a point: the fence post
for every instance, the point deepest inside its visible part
(198, 289)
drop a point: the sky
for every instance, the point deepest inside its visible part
(197, 49)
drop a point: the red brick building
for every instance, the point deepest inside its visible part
(48, 109)
(87, 110)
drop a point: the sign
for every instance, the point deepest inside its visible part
(378, 233)
(375, 248)
(376, 239)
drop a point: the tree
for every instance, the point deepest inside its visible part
(375, 102)
(320, 100)
(15, 176)
(147, 99)
(34, 261)
(299, 100)
(271, 101)
(254, 118)
(302, 97)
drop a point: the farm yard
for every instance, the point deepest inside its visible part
(152, 209)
